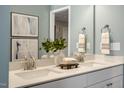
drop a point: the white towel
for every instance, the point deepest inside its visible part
(82, 43)
(105, 43)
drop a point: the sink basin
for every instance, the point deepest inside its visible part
(36, 73)
(92, 64)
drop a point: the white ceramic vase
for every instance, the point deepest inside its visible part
(58, 59)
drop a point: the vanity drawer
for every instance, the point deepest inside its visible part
(116, 82)
(98, 76)
(71, 82)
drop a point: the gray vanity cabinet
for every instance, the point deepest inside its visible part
(111, 77)
(105, 74)
(116, 82)
(71, 82)
(106, 78)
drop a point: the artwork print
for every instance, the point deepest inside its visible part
(24, 47)
(24, 25)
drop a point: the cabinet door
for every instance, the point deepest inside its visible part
(72, 82)
(99, 85)
(116, 82)
(102, 75)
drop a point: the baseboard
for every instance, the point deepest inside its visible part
(3, 85)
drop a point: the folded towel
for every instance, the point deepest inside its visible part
(69, 60)
(82, 43)
(105, 43)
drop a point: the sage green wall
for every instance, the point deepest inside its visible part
(112, 15)
(43, 11)
(4, 44)
(81, 16)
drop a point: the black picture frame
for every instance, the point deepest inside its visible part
(23, 37)
(26, 48)
(26, 15)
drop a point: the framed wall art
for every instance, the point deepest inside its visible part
(24, 36)
(24, 25)
(24, 47)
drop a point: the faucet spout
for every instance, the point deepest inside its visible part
(30, 64)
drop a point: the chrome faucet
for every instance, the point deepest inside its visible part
(30, 64)
(79, 56)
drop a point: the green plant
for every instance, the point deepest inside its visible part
(53, 46)
(59, 44)
(47, 45)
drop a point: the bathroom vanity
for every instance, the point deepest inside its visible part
(90, 74)
(106, 78)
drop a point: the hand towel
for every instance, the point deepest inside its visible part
(105, 42)
(82, 43)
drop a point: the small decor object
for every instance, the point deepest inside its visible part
(79, 56)
(55, 46)
(44, 56)
(59, 45)
(24, 25)
(67, 60)
(24, 47)
(68, 66)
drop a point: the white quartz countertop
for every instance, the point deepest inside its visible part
(16, 81)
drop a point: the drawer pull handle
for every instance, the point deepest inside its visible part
(110, 84)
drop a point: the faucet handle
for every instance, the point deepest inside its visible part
(25, 58)
(34, 62)
(33, 58)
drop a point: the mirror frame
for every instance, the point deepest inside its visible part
(52, 23)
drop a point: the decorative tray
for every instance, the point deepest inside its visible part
(68, 66)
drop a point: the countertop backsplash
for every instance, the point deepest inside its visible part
(109, 58)
(46, 62)
(40, 62)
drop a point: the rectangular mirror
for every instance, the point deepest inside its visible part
(60, 26)
(68, 22)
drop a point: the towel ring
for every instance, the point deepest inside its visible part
(84, 30)
(106, 26)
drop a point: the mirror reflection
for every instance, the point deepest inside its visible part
(61, 27)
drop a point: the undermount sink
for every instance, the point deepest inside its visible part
(93, 64)
(35, 73)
